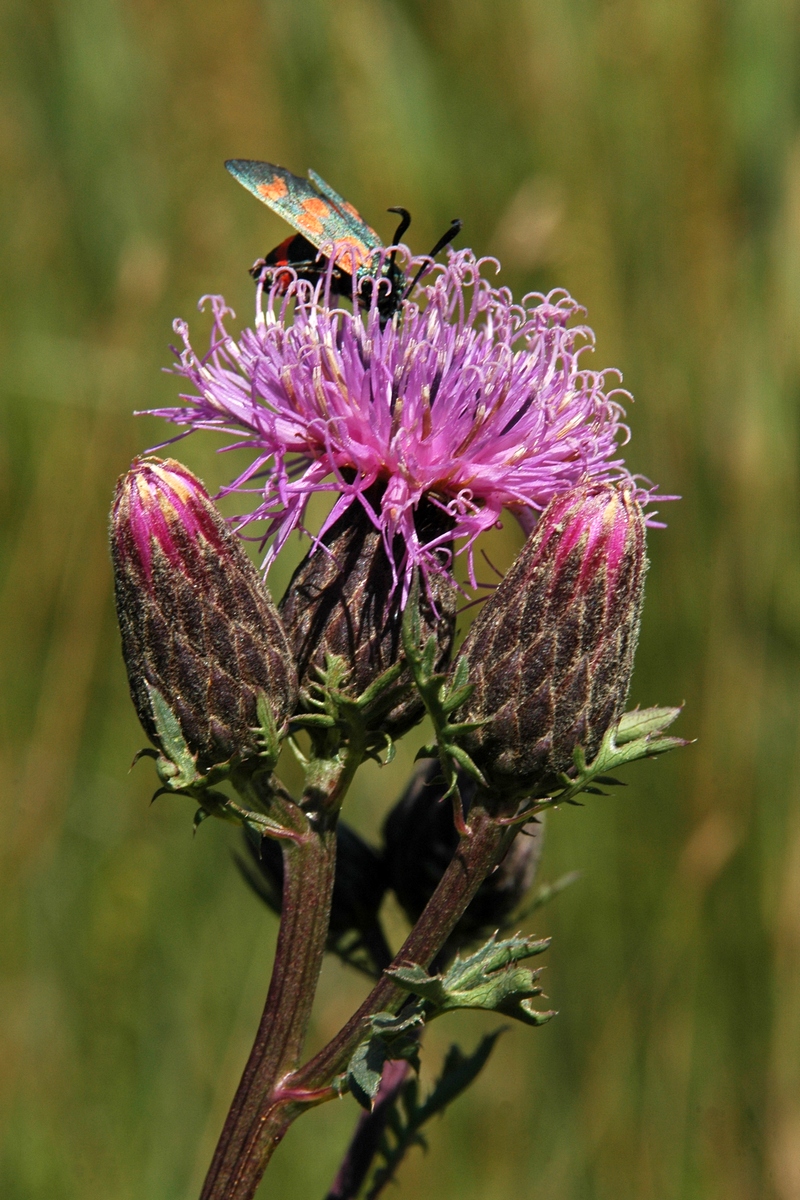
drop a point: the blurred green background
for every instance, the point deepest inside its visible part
(645, 154)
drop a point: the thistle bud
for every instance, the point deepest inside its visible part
(343, 600)
(197, 622)
(551, 653)
(420, 839)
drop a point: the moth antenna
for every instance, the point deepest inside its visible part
(444, 240)
(405, 221)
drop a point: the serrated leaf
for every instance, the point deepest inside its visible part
(461, 673)
(391, 1036)
(494, 955)
(456, 697)
(535, 1016)
(439, 700)
(643, 721)
(406, 1115)
(428, 661)
(484, 980)
(173, 744)
(312, 721)
(465, 762)
(269, 742)
(613, 754)
(365, 1069)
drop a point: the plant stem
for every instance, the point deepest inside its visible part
(478, 851)
(366, 1138)
(308, 870)
(260, 1129)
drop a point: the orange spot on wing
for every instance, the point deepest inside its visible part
(276, 190)
(347, 249)
(351, 211)
(316, 208)
(310, 223)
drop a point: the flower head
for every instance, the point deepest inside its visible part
(198, 626)
(465, 398)
(341, 602)
(551, 652)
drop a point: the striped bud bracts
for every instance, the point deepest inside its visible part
(198, 626)
(345, 600)
(551, 653)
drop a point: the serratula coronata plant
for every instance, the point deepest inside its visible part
(344, 602)
(426, 420)
(467, 399)
(201, 638)
(551, 654)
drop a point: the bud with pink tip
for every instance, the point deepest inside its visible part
(551, 653)
(198, 626)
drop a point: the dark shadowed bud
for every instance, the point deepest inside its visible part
(197, 623)
(551, 652)
(344, 600)
(419, 841)
(354, 932)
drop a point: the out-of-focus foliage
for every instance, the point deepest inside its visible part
(646, 155)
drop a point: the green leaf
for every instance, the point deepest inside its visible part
(312, 721)
(487, 979)
(644, 721)
(407, 1116)
(439, 699)
(390, 1037)
(267, 736)
(177, 765)
(637, 735)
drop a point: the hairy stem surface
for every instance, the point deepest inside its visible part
(478, 851)
(309, 867)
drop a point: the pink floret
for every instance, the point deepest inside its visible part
(465, 397)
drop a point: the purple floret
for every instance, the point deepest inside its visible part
(464, 397)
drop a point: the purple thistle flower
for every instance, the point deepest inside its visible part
(465, 398)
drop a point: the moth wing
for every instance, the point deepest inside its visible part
(357, 225)
(319, 218)
(276, 187)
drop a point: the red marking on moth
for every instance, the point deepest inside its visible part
(310, 224)
(351, 211)
(348, 248)
(276, 190)
(316, 208)
(279, 257)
